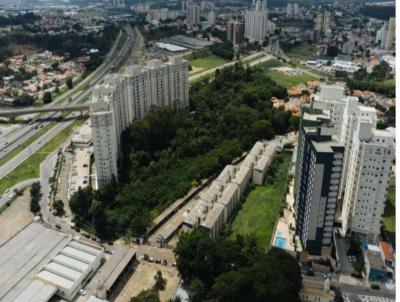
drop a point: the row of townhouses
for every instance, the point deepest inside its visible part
(219, 201)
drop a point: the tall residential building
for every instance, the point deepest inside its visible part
(390, 34)
(235, 32)
(256, 22)
(212, 17)
(327, 22)
(318, 172)
(193, 14)
(292, 10)
(319, 20)
(289, 10)
(296, 9)
(323, 22)
(370, 162)
(128, 96)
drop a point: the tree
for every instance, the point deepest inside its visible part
(332, 51)
(150, 295)
(197, 291)
(35, 197)
(58, 206)
(69, 83)
(47, 97)
(160, 282)
(262, 129)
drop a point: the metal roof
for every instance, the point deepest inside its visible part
(37, 291)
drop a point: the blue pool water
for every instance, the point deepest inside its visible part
(280, 242)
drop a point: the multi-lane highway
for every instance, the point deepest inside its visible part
(134, 43)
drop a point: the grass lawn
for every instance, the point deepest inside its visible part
(30, 168)
(303, 51)
(208, 62)
(260, 209)
(271, 64)
(389, 216)
(289, 81)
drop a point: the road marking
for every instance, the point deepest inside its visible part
(364, 298)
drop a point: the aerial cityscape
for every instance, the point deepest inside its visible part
(197, 151)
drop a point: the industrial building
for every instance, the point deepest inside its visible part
(39, 263)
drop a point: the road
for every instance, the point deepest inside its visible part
(200, 75)
(132, 44)
(7, 144)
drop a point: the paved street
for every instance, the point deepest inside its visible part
(134, 44)
(365, 298)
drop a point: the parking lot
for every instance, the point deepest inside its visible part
(15, 217)
(342, 247)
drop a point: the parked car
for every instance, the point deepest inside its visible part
(375, 286)
(58, 226)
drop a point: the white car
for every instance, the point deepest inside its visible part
(82, 292)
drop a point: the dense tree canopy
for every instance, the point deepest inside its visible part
(236, 270)
(380, 80)
(170, 149)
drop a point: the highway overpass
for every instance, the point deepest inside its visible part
(17, 112)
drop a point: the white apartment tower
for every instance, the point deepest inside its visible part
(323, 22)
(212, 17)
(193, 14)
(289, 10)
(256, 22)
(296, 9)
(369, 165)
(128, 96)
(390, 34)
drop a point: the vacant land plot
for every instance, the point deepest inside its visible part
(15, 217)
(260, 209)
(143, 278)
(273, 63)
(389, 217)
(303, 51)
(207, 62)
(288, 81)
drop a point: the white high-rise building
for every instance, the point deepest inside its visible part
(390, 34)
(327, 22)
(292, 10)
(296, 9)
(323, 22)
(193, 14)
(128, 96)
(256, 22)
(289, 10)
(368, 176)
(212, 17)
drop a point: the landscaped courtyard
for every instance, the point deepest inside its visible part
(260, 209)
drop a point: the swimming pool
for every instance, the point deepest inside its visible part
(280, 242)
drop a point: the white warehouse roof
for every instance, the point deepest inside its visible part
(39, 262)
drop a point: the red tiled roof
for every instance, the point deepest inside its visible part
(387, 251)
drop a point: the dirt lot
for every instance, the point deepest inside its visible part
(15, 217)
(143, 278)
